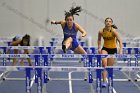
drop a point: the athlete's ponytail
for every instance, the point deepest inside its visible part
(114, 26)
(73, 11)
(27, 38)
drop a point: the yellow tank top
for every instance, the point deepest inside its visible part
(109, 39)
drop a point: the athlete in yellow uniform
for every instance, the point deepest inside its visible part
(109, 35)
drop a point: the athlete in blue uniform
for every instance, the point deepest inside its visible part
(22, 41)
(70, 29)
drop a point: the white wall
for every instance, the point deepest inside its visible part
(18, 17)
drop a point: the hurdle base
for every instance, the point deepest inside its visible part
(129, 80)
(65, 79)
(85, 79)
(4, 78)
(17, 79)
(50, 79)
(137, 80)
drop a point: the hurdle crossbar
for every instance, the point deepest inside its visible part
(70, 55)
(34, 47)
(68, 68)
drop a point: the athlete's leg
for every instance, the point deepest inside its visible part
(14, 59)
(110, 61)
(26, 51)
(67, 44)
(104, 64)
(22, 62)
(80, 50)
(29, 61)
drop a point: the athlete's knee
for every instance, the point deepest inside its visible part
(104, 64)
(110, 62)
(84, 52)
(26, 51)
(16, 51)
(70, 39)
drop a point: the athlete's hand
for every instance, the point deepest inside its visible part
(53, 22)
(84, 34)
(99, 51)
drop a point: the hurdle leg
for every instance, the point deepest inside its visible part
(90, 65)
(28, 80)
(49, 50)
(49, 61)
(129, 52)
(37, 60)
(36, 64)
(136, 73)
(136, 63)
(124, 52)
(85, 65)
(98, 60)
(46, 73)
(4, 59)
(3, 75)
(45, 81)
(45, 58)
(98, 81)
(110, 80)
(129, 72)
(70, 82)
(39, 80)
(129, 62)
(136, 59)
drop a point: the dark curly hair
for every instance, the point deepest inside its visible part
(73, 11)
(26, 37)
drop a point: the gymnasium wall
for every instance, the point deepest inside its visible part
(18, 17)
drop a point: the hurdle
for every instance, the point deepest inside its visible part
(37, 63)
(6, 40)
(58, 41)
(51, 48)
(90, 60)
(69, 69)
(40, 48)
(130, 43)
(126, 50)
(93, 49)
